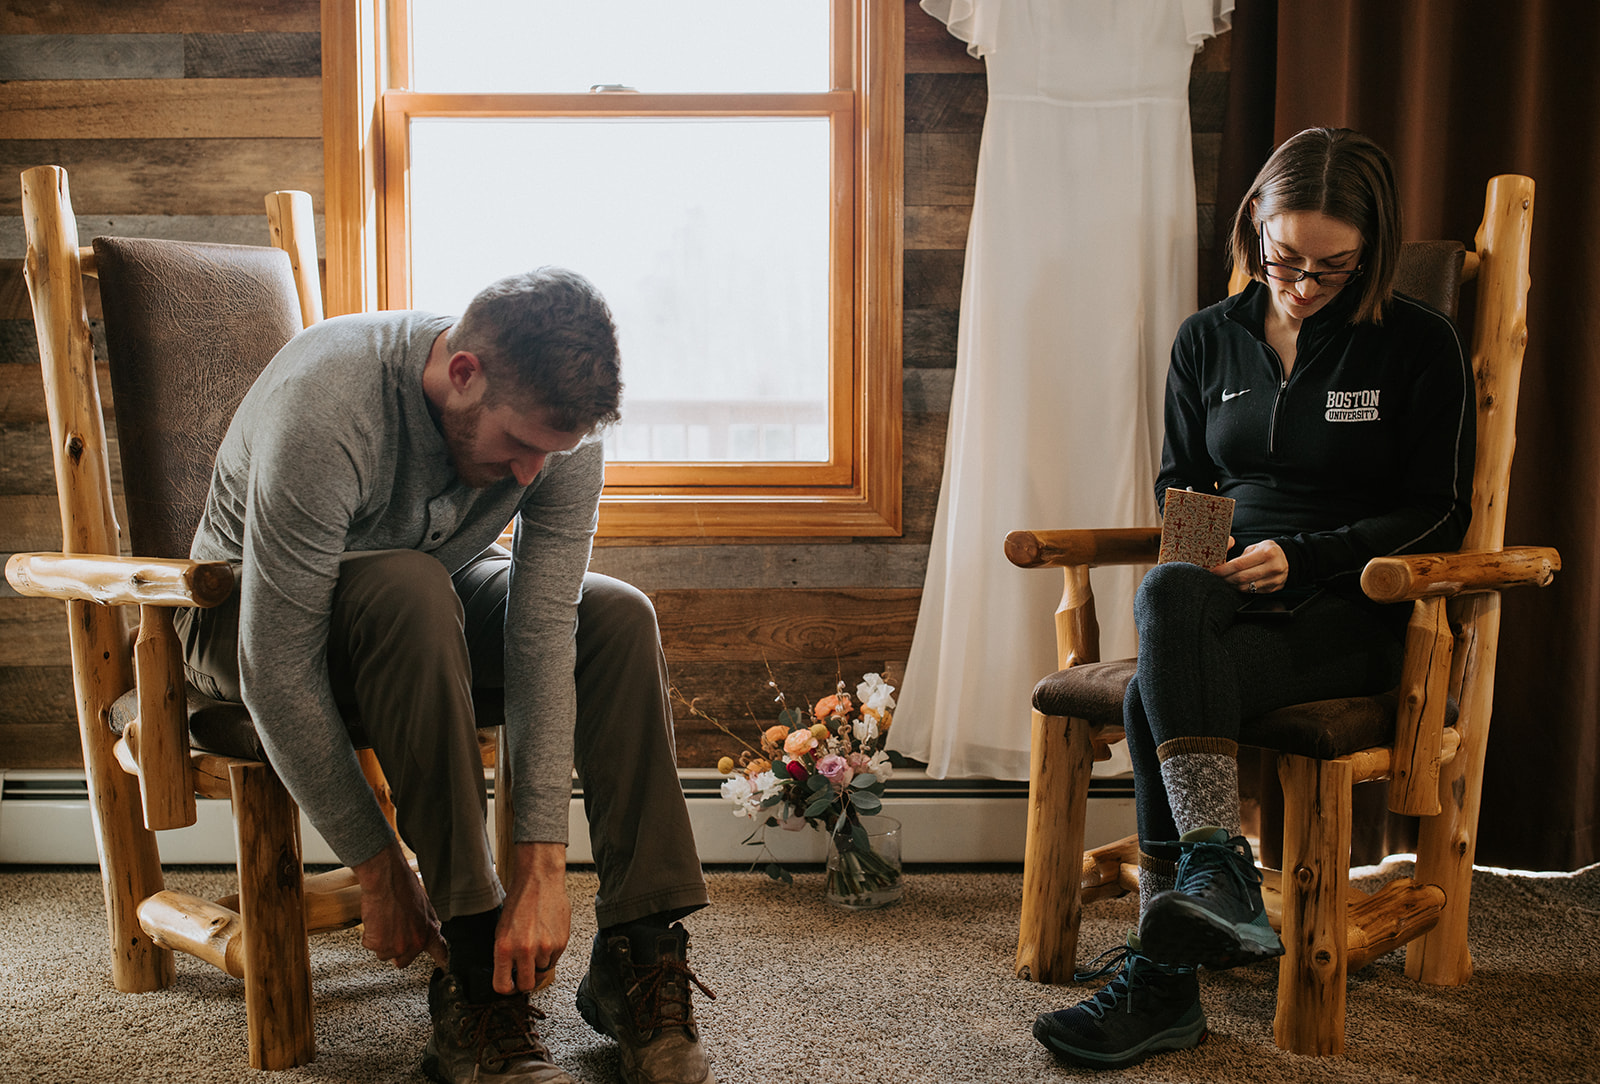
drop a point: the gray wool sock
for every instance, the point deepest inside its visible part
(1202, 780)
(1156, 875)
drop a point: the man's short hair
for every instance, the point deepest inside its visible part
(546, 336)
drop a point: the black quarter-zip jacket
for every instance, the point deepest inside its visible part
(1365, 450)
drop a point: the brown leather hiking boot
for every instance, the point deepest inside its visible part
(492, 1042)
(637, 991)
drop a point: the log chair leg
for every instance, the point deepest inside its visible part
(277, 963)
(130, 865)
(1316, 885)
(1448, 843)
(368, 759)
(1058, 806)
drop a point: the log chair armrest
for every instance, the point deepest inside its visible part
(1445, 575)
(121, 581)
(1088, 546)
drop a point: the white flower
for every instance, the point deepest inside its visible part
(879, 766)
(866, 728)
(738, 790)
(875, 693)
(766, 786)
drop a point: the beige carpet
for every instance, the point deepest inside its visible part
(921, 991)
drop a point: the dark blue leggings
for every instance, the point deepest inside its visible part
(1203, 669)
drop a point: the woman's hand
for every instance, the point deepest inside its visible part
(1261, 568)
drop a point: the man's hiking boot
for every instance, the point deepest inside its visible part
(489, 1042)
(637, 991)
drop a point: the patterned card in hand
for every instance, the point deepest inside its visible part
(1195, 528)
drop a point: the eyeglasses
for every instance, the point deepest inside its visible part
(1284, 272)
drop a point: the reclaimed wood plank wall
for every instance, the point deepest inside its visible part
(174, 117)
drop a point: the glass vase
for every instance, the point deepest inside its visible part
(864, 864)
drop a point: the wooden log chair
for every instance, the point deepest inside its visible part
(1427, 738)
(188, 328)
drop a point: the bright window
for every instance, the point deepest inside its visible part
(729, 178)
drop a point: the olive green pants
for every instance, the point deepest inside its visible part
(409, 644)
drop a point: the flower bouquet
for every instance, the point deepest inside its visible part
(825, 768)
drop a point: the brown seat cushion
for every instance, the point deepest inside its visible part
(1322, 730)
(218, 726)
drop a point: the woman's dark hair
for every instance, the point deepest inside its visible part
(1344, 175)
(546, 338)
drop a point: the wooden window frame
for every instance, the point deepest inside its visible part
(859, 493)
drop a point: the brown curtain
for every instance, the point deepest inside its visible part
(1458, 91)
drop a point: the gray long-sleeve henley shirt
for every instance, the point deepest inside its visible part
(333, 450)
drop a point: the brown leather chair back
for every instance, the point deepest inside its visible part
(1430, 271)
(188, 329)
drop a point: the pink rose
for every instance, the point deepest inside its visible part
(836, 770)
(858, 762)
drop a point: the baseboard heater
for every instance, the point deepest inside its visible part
(44, 820)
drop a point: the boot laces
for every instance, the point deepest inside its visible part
(501, 1030)
(659, 995)
(1133, 971)
(1204, 867)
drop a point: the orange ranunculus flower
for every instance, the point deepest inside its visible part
(799, 743)
(829, 706)
(757, 766)
(775, 736)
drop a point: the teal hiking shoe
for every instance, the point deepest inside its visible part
(1213, 917)
(1145, 1008)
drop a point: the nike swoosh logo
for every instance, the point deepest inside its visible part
(1226, 395)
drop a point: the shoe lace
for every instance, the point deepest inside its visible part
(1202, 865)
(1133, 971)
(505, 1024)
(1129, 975)
(659, 995)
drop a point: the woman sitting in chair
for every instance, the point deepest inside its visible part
(1338, 416)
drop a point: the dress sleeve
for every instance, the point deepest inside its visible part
(974, 21)
(1204, 19)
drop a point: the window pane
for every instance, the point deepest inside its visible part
(709, 238)
(568, 46)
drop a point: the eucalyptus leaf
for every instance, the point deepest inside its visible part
(866, 802)
(864, 780)
(819, 804)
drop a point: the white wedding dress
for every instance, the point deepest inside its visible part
(1080, 265)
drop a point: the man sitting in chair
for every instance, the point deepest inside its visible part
(360, 490)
